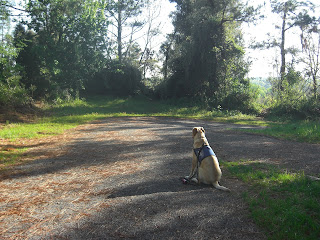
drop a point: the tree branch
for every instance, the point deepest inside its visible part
(15, 8)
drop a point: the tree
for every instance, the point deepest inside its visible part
(12, 92)
(122, 11)
(148, 60)
(28, 61)
(207, 55)
(167, 49)
(310, 39)
(68, 44)
(293, 13)
(7, 52)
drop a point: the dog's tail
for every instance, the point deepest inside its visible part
(217, 186)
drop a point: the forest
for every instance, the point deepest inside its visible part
(59, 50)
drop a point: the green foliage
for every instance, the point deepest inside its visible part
(64, 46)
(121, 79)
(60, 52)
(300, 109)
(293, 99)
(12, 93)
(205, 56)
(285, 204)
(30, 67)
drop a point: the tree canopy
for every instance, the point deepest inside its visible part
(205, 52)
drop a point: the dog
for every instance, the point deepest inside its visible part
(205, 163)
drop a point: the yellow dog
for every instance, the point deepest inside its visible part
(205, 163)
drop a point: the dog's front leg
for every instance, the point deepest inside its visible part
(193, 170)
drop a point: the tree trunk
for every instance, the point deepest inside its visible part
(315, 87)
(119, 40)
(282, 48)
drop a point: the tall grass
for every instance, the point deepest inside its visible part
(285, 204)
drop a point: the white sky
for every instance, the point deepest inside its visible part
(264, 63)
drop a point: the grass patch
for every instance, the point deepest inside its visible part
(302, 131)
(66, 115)
(286, 205)
(63, 116)
(11, 156)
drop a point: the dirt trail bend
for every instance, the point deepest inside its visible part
(119, 179)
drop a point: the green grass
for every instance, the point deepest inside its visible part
(63, 116)
(68, 115)
(302, 131)
(286, 205)
(11, 157)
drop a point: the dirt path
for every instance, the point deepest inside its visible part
(119, 179)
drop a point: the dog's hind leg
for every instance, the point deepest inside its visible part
(217, 186)
(194, 180)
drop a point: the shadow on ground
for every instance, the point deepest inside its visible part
(119, 178)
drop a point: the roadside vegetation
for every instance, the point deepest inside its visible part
(293, 130)
(65, 115)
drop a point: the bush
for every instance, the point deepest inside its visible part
(306, 108)
(120, 79)
(12, 93)
(311, 109)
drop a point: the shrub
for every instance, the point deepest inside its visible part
(116, 78)
(12, 93)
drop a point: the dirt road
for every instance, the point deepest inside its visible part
(119, 179)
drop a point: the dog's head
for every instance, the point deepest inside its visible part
(198, 132)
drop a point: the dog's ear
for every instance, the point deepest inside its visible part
(194, 131)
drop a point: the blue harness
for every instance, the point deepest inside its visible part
(203, 152)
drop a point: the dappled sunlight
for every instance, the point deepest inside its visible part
(261, 172)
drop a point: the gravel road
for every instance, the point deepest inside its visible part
(119, 179)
